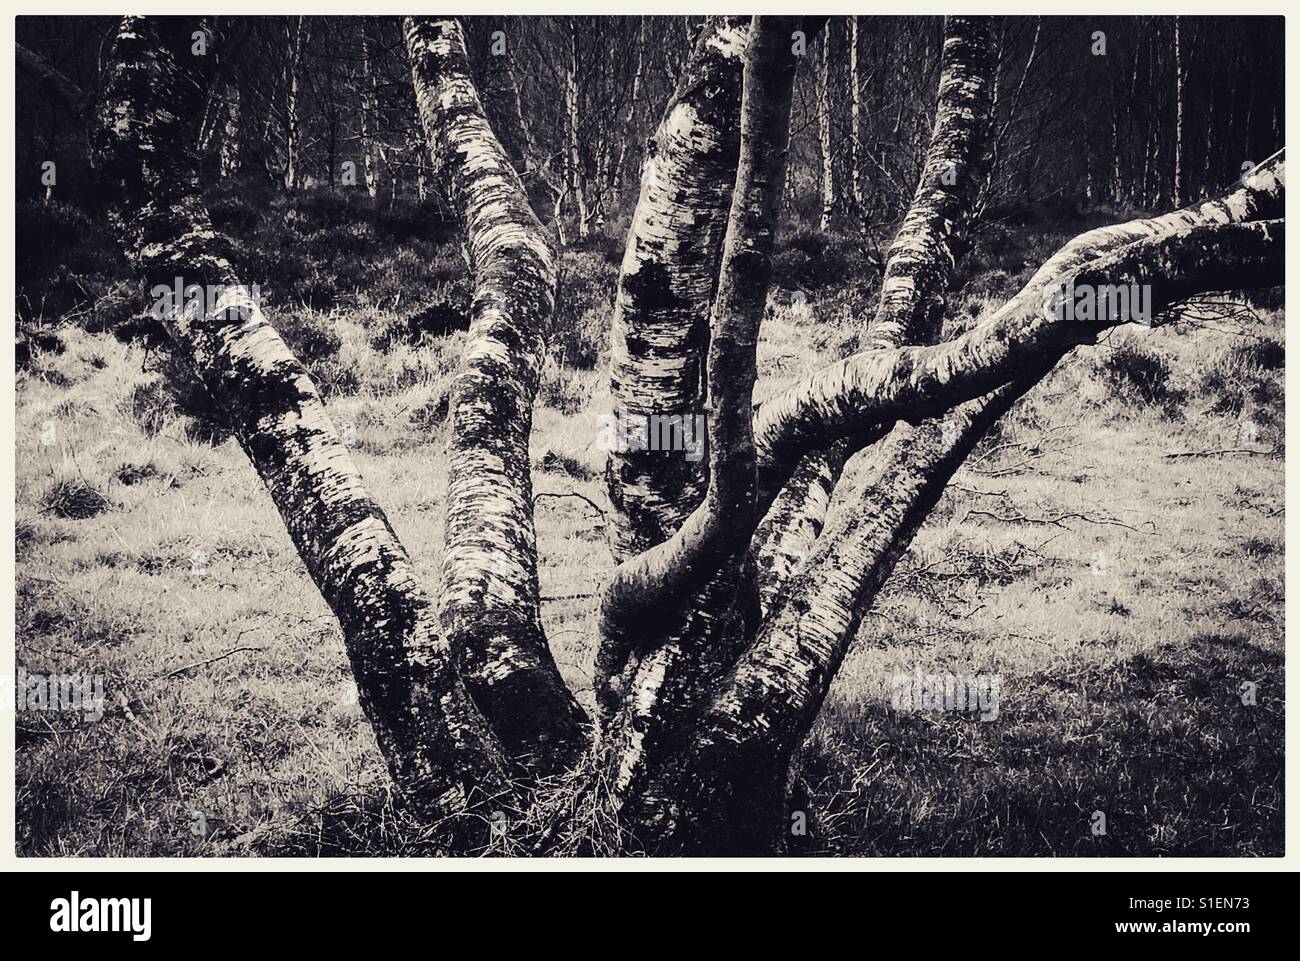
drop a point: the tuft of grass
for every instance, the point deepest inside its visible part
(1136, 375)
(433, 412)
(567, 394)
(26, 532)
(133, 473)
(1245, 377)
(74, 498)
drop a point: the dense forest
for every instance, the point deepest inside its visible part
(1137, 112)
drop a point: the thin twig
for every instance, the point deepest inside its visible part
(211, 660)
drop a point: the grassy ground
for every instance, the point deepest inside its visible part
(1121, 596)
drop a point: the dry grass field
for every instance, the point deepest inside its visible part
(1122, 595)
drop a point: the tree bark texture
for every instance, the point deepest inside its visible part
(824, 133)
(658, 678)
(665, 289)
(489, 601)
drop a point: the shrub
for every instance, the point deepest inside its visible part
(436, 319)
(308, 335)
(65, 262)
(32, 343)
(429, 221)
(811, 260)
(588, 340)
(556, 463)
(233, 213)
(44, 232)
(584, 305)
(1265, 353)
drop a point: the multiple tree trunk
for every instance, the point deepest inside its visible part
(737, 593)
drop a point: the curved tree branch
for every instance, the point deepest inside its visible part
(876, 388)
(1258, 197)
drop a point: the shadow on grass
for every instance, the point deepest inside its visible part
(1161, 744)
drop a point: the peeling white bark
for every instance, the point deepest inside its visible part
(489, 600)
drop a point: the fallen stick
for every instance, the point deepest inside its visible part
(211, 660)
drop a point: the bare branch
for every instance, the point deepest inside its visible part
(53, 80)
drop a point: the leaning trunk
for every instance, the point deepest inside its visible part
(440, 751)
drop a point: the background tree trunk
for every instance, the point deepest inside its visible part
(824, 133)
(369, 109)
(574, 173)
(1178, 114)
(292, 132)
(856, 159)
(633, 109)
(230, 140)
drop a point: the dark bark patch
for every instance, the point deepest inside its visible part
(651, 289)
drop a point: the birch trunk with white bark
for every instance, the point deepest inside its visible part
(440, 750)
(369, 110)
(292, 127)
(575, 175)
(231, 143)
(665, 287)
(856, 160)
(824, 133)
(489, 600)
